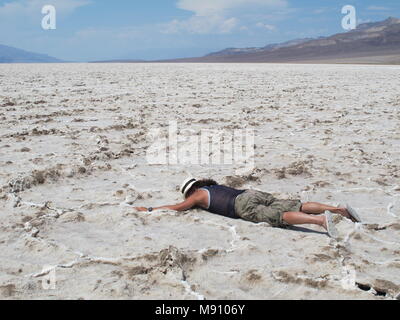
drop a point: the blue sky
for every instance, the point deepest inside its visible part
(161, 29)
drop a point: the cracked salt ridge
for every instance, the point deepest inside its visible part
(46, 205)
(184, 282)
(382, 262)
(81, 259)
(232, 230)
(345, 268)
(235, 236)
(33, 231)
(389, 209)
(342, 260)
(190, 291)
(86, 258)
(336, 245)
(61, 211)
(322, 279)
(370, 189)
(380, 240)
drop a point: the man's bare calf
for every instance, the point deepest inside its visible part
(308, 212)
(318, 208)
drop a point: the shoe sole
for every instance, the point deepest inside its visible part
(332, 231)
(353, 213)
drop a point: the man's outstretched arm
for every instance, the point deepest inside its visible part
(188, 204)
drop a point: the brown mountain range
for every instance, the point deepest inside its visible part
(377, 42)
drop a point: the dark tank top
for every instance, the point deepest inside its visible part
(222, 200)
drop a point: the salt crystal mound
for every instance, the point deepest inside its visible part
(73, 141)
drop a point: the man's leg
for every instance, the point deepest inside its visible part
(294, 218)
(318, 208)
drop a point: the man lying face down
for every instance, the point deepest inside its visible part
(255, 206)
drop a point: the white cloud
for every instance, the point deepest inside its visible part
(360, 21)
(211, 7)
(319, 11)
(201, 25)
(377, 8)
(269, 27)
(217, 16)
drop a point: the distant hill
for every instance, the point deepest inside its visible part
(231, 51)
(377, 42)
(14, 55)
(118, 61)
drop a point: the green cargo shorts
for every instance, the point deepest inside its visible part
(257, 206)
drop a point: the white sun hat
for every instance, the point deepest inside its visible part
(187, 184)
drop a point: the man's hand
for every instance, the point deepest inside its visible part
(141, 209)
